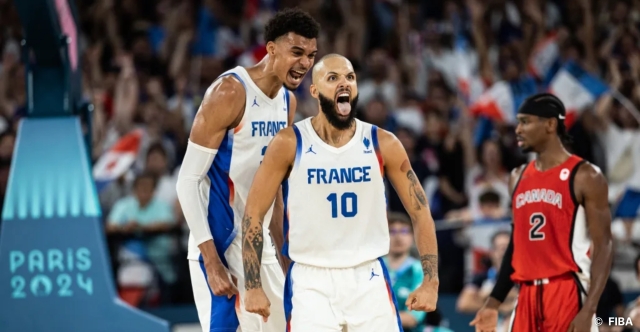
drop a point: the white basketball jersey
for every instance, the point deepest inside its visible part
(228, 182)
(335, 200)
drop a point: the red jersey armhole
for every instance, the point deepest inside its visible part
(572, 177)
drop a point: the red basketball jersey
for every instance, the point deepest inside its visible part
(549, 226)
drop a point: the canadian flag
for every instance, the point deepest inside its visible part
(118, 159)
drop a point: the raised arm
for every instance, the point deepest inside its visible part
(275, 166)
(592, 193)
(221, 109)
(477, 9)
(605, 103)
(588, 33)
(404, 180)
(277, 219)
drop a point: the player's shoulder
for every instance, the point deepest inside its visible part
(589, 174)
(283, 144)
(385, 137)
(390, 147)
(227, 86)
(228, 89)
(224, 100)
(286, 137)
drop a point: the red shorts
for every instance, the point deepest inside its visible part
(548, 305)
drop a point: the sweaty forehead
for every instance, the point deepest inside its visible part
(337, 64)
(294, 40)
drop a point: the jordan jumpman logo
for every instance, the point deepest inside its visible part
(373, 274)
(311, 150)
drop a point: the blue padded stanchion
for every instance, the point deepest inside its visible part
(54, 269)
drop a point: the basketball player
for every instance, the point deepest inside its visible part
(240, 114)
(561, 251)
(336, 226)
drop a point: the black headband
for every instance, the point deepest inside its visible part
(544, 105)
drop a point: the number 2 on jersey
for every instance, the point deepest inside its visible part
(537, 221)
(264, 150)
(348, 204)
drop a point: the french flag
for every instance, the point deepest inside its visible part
(117, 160)
(470, 86)
(577, 89)
(545, 58)
(497, 103)
(468, 83)
(463, 68)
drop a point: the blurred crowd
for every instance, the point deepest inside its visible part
(147, 63)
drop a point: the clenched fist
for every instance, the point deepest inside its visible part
(256, 301)
(221, 282)
(424, 298)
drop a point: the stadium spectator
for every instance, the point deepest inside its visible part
(490, 208)
(427, 70)
(142, 219)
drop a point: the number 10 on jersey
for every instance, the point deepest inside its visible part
(347, 204)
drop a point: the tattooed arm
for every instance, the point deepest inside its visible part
(277, 219)
(275, 166)
(252, 245)
(409, 189)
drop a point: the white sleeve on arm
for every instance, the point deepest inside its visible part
(196, 163)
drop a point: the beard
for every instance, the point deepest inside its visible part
(526, 149)
(328, 108)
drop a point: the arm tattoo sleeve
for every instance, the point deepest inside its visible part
(416, 192)
(429, 266)
(252, 243)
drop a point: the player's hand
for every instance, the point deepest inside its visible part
(486, 320)
(582, 322)
(221, 281)
(256, 301)
(424, 298)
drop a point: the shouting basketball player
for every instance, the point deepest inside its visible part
(560, 252)
(240, 114)
(336, 224)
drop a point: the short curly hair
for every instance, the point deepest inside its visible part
(291, 20)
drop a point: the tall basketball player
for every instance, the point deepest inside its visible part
(560, 252)
(240, 114)
(336, 226)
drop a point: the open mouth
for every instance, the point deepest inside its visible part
(296, 75)
(342, 103)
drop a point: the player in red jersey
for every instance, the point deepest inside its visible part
(561, 250)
